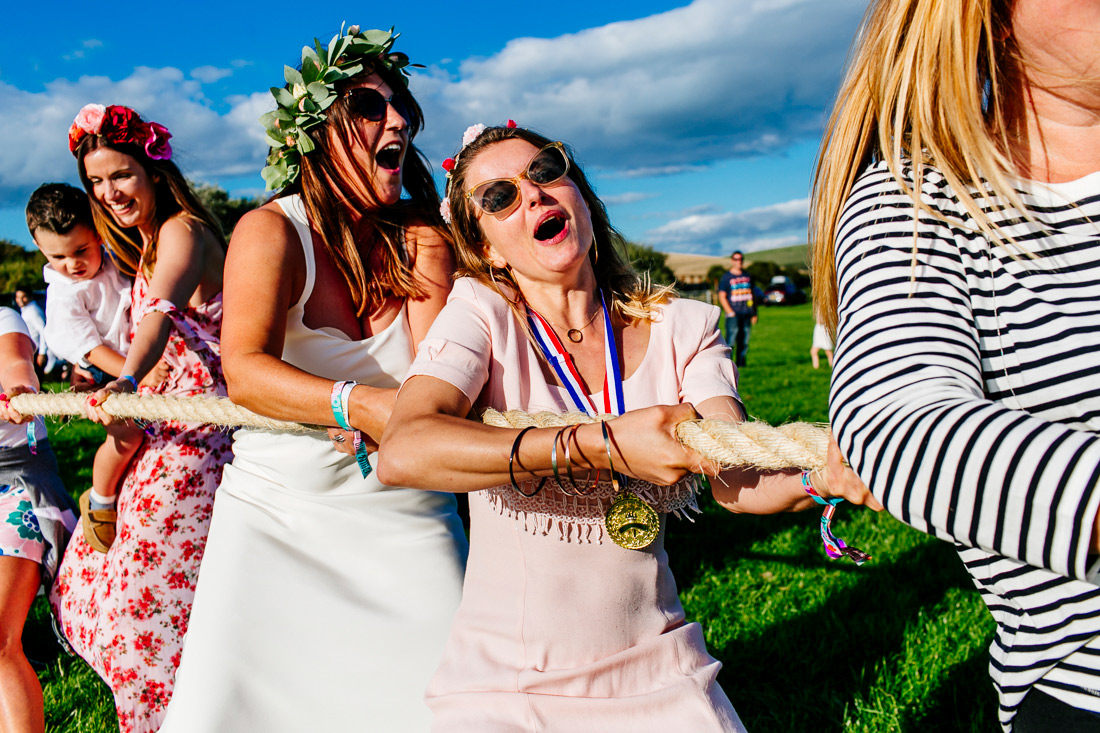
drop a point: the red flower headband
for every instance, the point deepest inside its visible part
(117, 124)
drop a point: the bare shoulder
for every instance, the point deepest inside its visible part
(268, 229)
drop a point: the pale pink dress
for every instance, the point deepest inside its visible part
(125, 612)
(559, 628)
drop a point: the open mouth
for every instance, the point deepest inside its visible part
(551, 227)
(389, 157)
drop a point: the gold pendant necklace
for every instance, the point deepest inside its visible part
(576, 335)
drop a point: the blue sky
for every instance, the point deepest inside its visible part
(698, 122)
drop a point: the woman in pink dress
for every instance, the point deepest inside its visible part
(125, 612)
(570, 618)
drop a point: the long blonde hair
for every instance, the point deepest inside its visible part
(925, 86)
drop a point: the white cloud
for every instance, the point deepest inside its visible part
(757, 228)
(83, 50)
(715, 79)
(657, 96)
(209, 74)
(630, 197)
(207, 144)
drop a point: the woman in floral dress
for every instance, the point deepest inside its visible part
(125, 612)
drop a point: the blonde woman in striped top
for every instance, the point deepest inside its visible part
(956, 235)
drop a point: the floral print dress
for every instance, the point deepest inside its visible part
(125, 612)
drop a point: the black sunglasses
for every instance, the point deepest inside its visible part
(370, 105)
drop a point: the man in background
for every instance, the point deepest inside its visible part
(735, 295)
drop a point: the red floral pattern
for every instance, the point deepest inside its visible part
(126, 612)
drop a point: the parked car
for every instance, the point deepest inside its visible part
(783, 291)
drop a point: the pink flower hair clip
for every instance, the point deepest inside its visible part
(473, 132)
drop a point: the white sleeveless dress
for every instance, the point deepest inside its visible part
(324, 599)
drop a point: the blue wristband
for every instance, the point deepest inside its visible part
(129, 378)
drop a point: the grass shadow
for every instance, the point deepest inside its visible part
(809, 670)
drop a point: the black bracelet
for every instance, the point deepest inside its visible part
(511, 462)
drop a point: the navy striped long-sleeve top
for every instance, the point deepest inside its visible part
(967, 395)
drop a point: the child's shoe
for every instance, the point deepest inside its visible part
(99, 524)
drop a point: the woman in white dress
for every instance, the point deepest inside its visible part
(325, 597)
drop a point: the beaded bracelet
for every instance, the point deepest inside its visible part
(512, 460)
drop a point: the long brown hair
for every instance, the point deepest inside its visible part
(633, 296)
(925, 86)
(323, 186)
(173, 196)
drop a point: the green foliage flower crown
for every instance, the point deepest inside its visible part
(301, 104)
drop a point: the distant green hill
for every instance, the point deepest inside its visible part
(796, 256)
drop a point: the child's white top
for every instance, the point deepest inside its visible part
(84, 314)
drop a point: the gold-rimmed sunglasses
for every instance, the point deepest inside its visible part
(500, 196)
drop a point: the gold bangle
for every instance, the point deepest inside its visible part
(610, 462)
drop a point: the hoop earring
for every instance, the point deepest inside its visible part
(595, 252)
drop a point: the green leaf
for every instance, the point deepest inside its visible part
(311, 69)
(305, 144)
(308, 105)
(292, 76)
(377, 37)
(275, 174)
(275, 142)
(282, 97)
(320, 92)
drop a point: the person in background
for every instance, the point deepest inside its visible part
(45, 360)
(822, 341)
(955, 226)
(736, 295)
(37, 516)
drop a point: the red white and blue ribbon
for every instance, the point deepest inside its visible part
(566, 370)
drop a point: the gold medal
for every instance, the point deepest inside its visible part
(631, 523)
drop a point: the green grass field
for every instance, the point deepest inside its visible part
(808, 644)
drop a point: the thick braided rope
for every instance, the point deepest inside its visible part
(757, 444)
(204, 410)
(794, 445)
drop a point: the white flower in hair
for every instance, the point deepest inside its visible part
(445, 210)
(471, 133)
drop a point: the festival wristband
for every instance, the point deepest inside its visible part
(361, 454)
(338, 403)
(32, 439)
(809, 487)
(129, 378)
(834, 546)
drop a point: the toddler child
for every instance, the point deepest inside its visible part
(87, 324)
